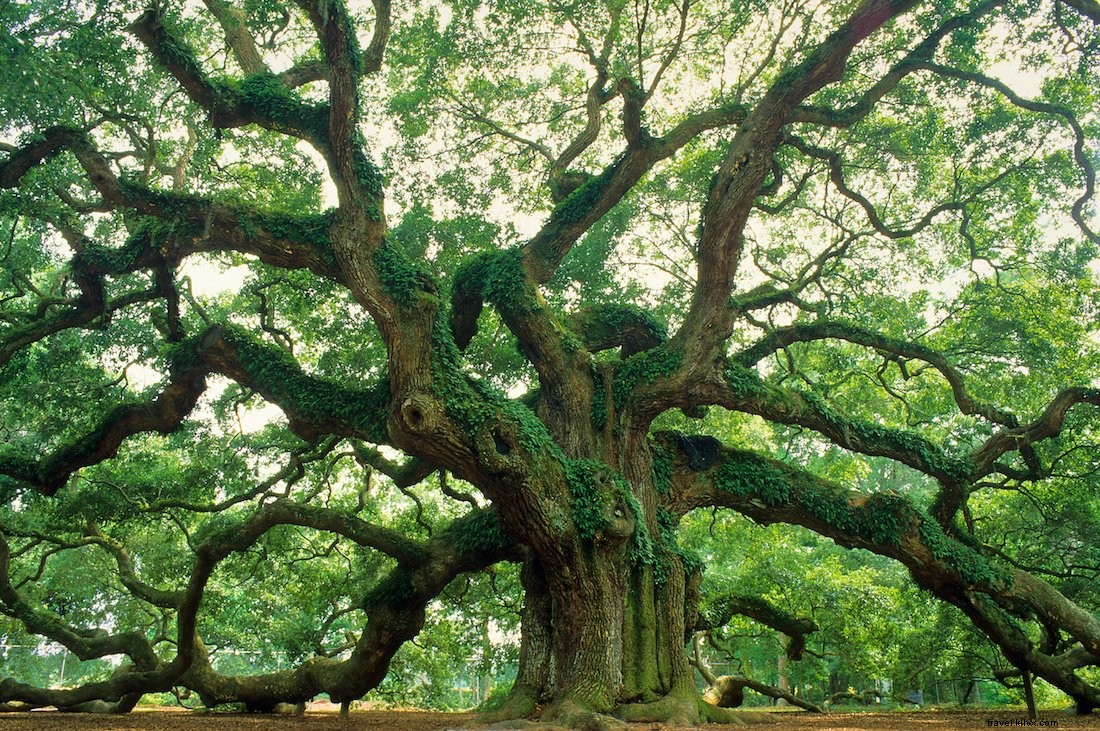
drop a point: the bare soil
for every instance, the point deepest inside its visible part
(375, 720)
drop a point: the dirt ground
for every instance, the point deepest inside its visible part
(314, 720)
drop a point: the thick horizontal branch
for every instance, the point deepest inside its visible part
(395, 609)
(1088, 8)
(627, 327)
(743, 390)
(770, 491)
(394, 544)
(163, 414)
(179, 224)
(890, 524)
(49, 143)
(314, 406)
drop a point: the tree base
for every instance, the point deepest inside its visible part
(520, 713)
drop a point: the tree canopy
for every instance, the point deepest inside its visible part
(316, 316)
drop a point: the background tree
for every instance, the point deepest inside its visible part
(507, 254)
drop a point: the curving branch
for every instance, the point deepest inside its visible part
(922, 52)
(86, 312)
(315, 407)
(395, 610)
(892, 525)
(717, 611)
(627, 327)
(163, 414)
(260, 98)
(501, 279)
(784, 337)
(1047, 426)
(376, 49)
(396, 545)
(179, 224)
(1080, 154)
(743, 390)
(123, 690)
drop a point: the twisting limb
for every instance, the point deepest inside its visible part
(258, 99)
(315, 407)
(190, 223)
(891, 525)
(1080, 155)
(395, 611)
(743, 390)
(783, 337)
(922, 52)
(1047, 426)
(717, 611)
(836, 175)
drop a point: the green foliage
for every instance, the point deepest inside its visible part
(906, 441)
(393, 591)
(644, 368)
(314, 400)
(269, 97)
(580, 202)
(480, 533)
(402, 278)
(974, 568)
(663, 465)
(591, 500)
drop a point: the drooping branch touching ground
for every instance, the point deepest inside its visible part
(954, 567)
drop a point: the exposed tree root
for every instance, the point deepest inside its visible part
(714, 714)
(521, 703)
(572, 715)
(673, 709)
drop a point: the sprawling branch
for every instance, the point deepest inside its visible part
(890, 524)
(1088, 8)
(922, 52)
(395, 611)
(314, 406)
(189, 223)
(744, 391)
(163, 414)
(1047, 426)
(86, 311)
(260, 98)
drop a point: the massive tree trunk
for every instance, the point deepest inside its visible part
(607, 612)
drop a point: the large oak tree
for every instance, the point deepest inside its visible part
(519, 248)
